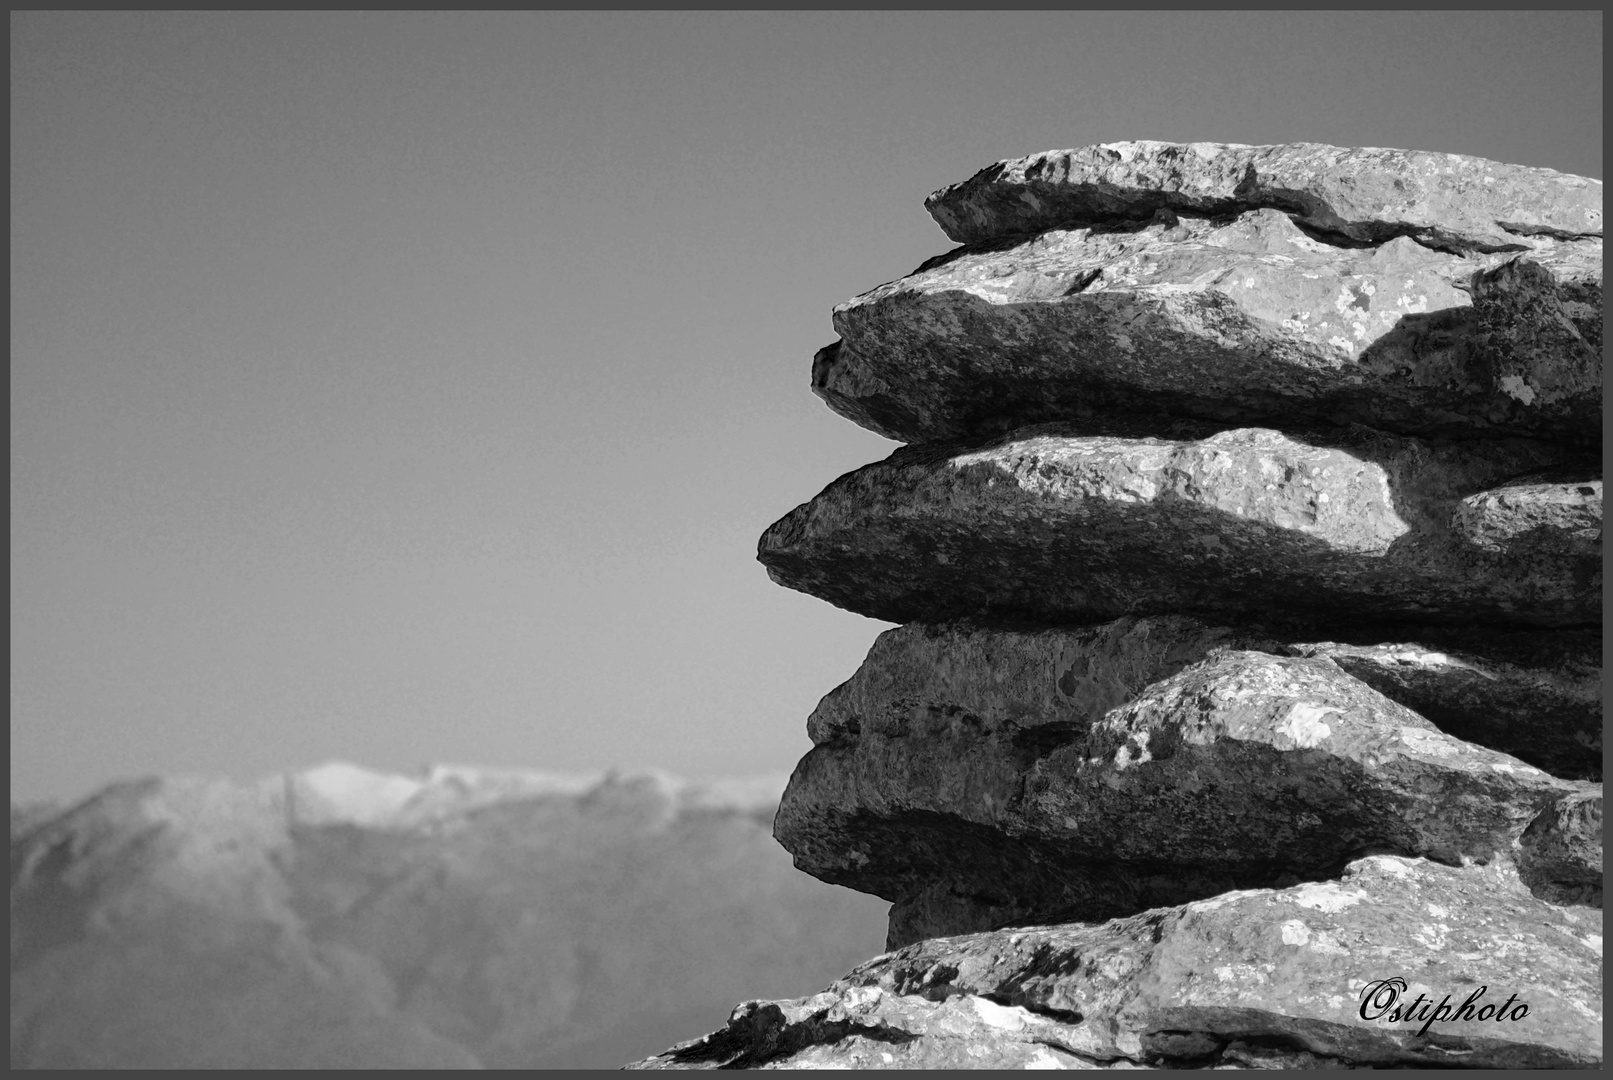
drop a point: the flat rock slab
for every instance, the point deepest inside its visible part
(1244, 526)
(1450, 201)
(1484, 974)
(1242, 770)
(1536, 696)
(1245, 320)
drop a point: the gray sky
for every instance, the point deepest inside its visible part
(414, 387)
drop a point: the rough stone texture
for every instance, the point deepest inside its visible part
(1448, 201)
(1536, 696)
(1260, 978)
(1561, 851)
(1535, 518)
(1243, 526)
(1539, 306)
(1243, 769)
(1251, 537)
(1243, 321)
(1057, 680)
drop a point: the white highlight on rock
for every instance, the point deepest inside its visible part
(862, 998)
(1515, 386)
(1303, 724)
(1004, 1017)
(1325, 897)
(1391, 864)
(1295, 932)
(1125, 757)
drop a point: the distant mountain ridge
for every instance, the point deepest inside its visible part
(339, 916)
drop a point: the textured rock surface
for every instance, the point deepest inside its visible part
(1258, 978)
(1246, 321)
(1449, 201)
(1057, 680)
(1245, 525)
(1561, 850)
(1535, 518)
(468, 917)
(1536, 696)
(1244, 769)
(1250, 540)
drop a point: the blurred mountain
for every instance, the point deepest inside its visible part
(340, 917)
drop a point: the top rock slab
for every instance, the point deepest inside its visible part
(1447, 201)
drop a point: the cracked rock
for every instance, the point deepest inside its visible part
(1264, 978)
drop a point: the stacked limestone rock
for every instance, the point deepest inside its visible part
(1248, 547)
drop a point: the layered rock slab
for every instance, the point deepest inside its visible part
(1536, 696)
(1533, 695)
(1242, 770)
(1246, 321)
(1295, 977)
(1367, 194)
(1247, 525)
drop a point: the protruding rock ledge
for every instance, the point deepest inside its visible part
(1296, 978)
(1244, 526)
(1536, 695)
(1242, 770)
(1245, 321)
(1370, 194)
(1058, 680)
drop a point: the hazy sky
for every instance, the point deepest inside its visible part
(414, 387)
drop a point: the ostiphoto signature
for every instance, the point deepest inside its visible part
(1385, 1000)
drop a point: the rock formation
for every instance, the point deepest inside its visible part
(1246, 710)
(466, 917)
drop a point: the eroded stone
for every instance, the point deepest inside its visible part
(1057, 681)
(1242, 321)
(1248, 525)
(1525, 518)
(1242, 770)
(1450, 201)
(1295, 977)
(1561, 851)
(1536, 696)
